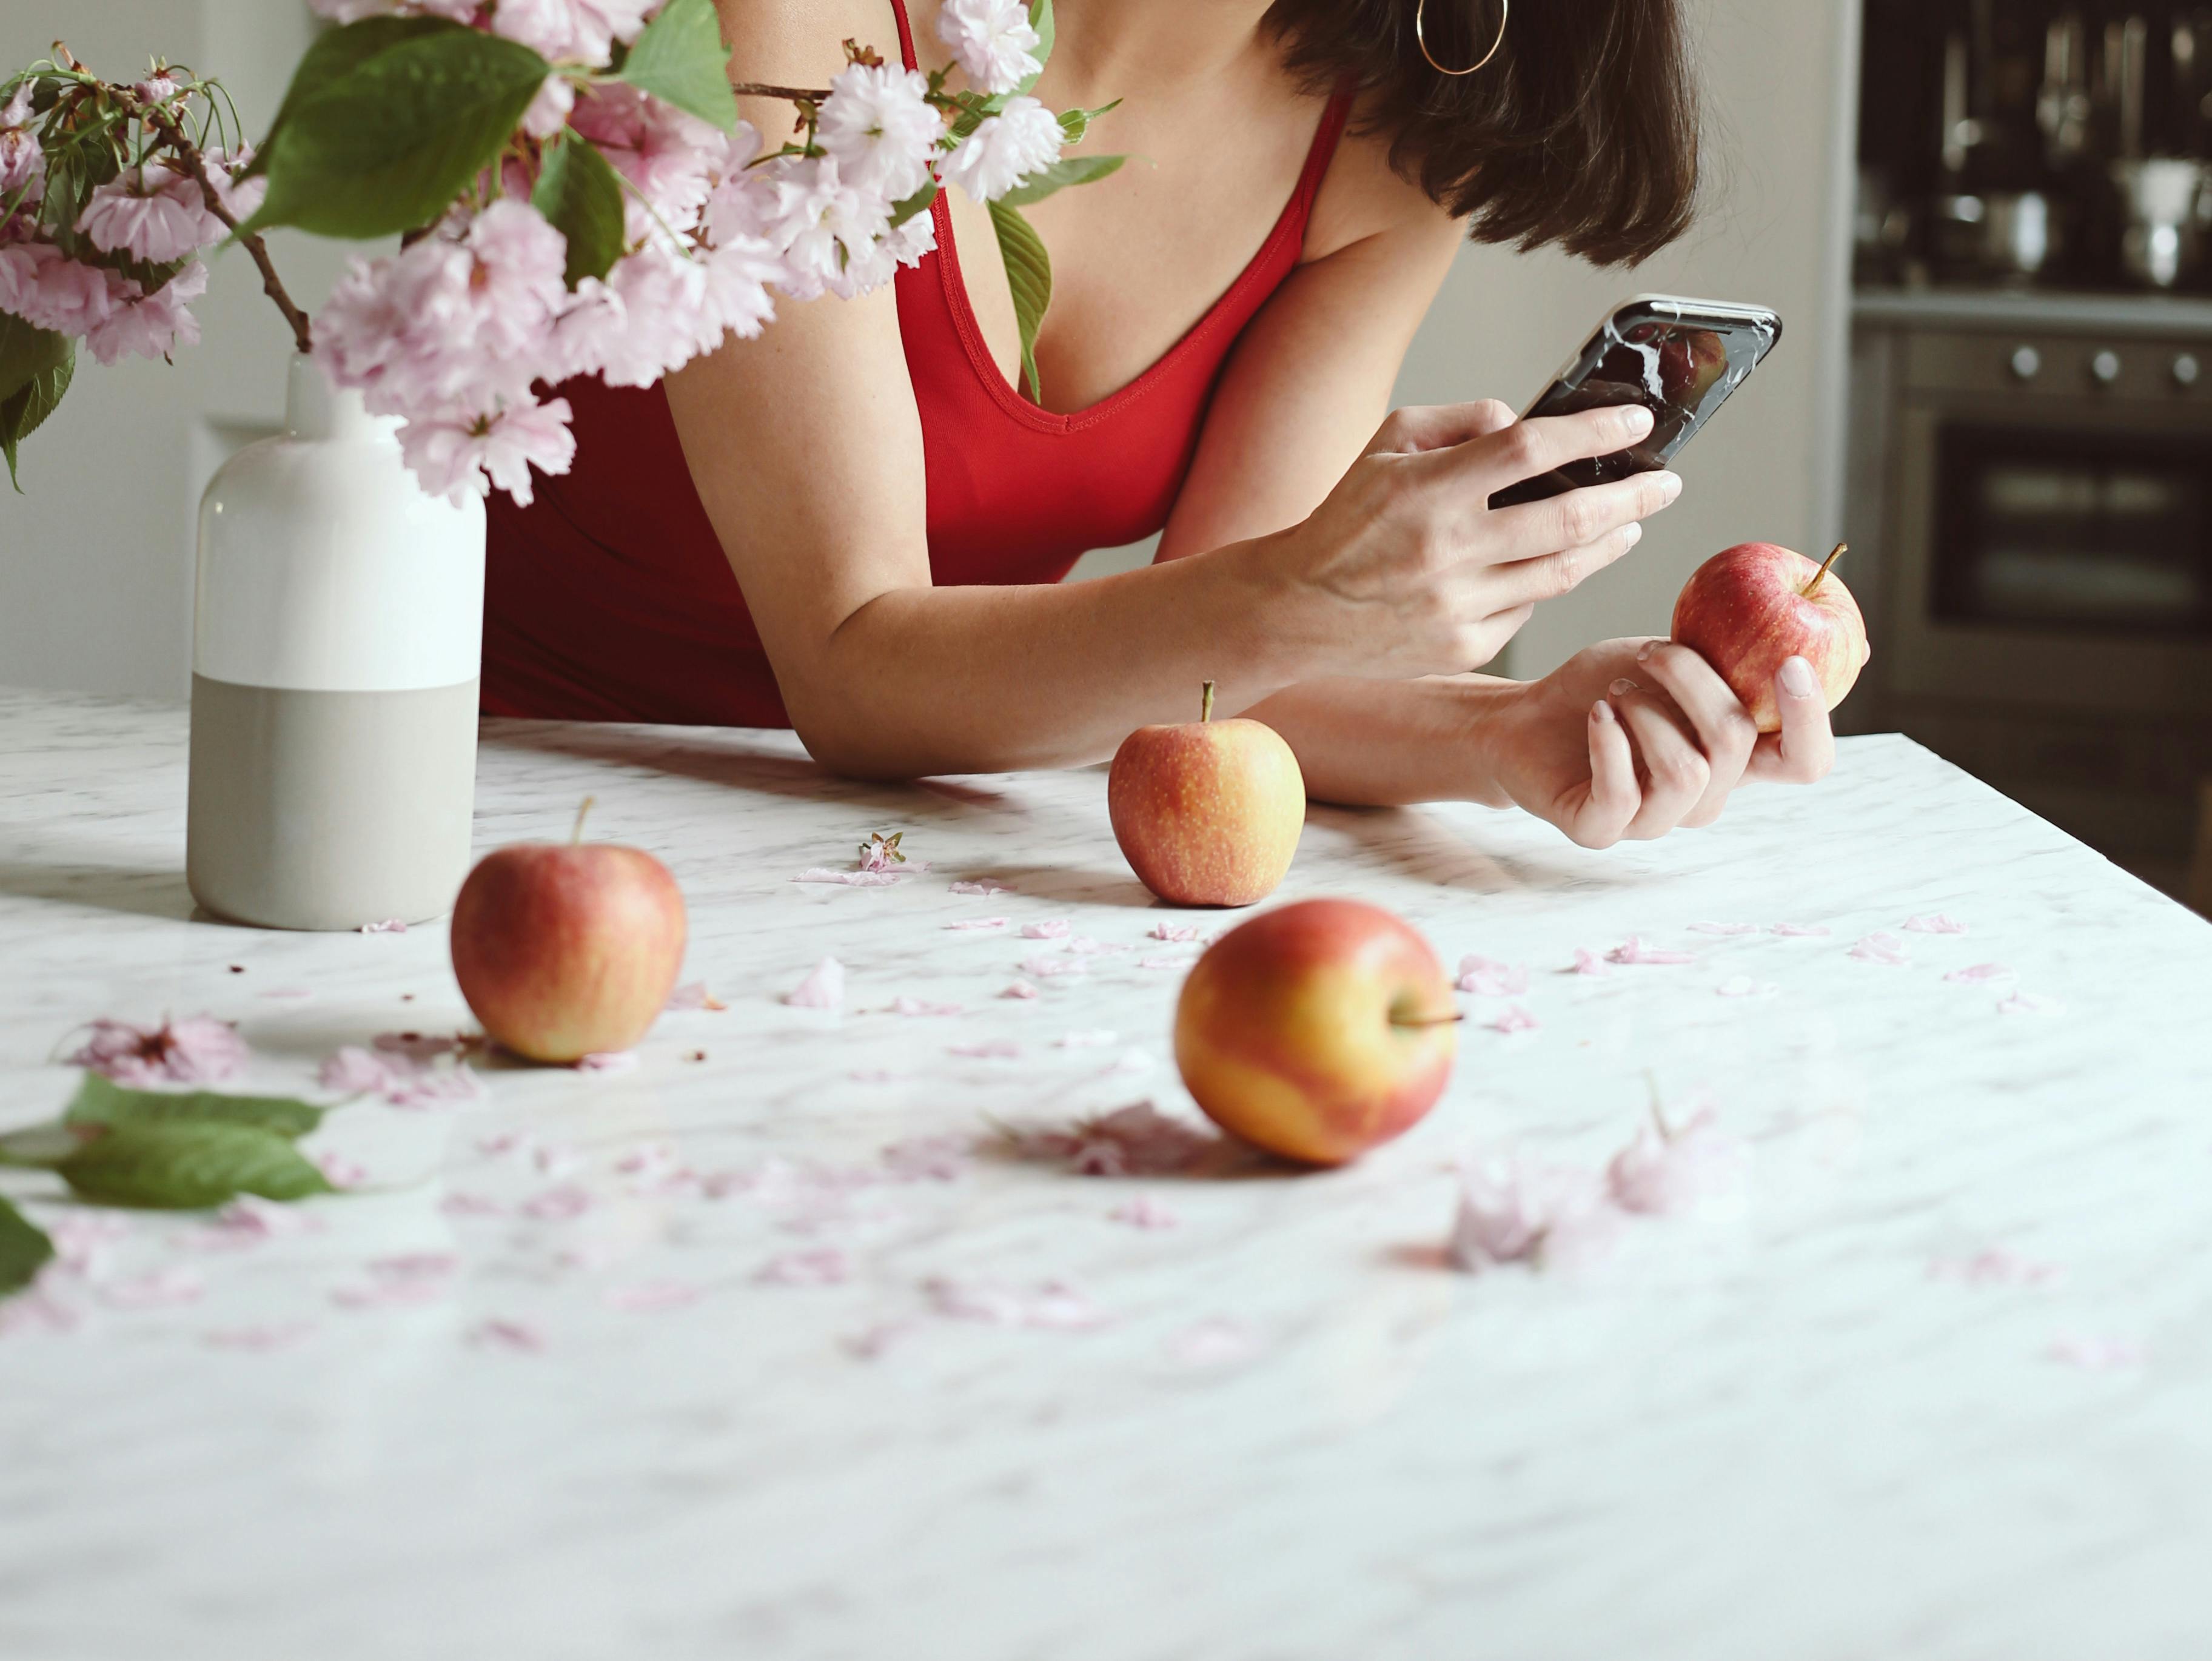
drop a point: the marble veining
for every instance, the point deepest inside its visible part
(681, 1380)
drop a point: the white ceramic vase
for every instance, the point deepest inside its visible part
(337, 638)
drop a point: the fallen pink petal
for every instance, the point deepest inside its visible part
(1665, 1171)
(197, 1050)
(825, 1267)
(501, 1333)
(979, 925)
(389, 926)
(823, 989)
(80, 1239)
(1791, 931)
(923, 1007)
(929, 1158)
(1054, 1305)
(1588, 962)
(1515, 1019)
(1021, 990)
(339, 1171)
(472, 1205)
(558, 1204)
(1485, 977)
(34, 1310)
(1163, 962)
(1052, 929)
(1138, 1140)
(1979, 975)
(982, 886)
(694, 994)
(852, 879)
(1172, 931)
(650, 1160)
(1725, 928)
(1636, 950)
(1936, 923)
(2031, 1003)
(1144, 1211)
(606, 1061)
(1742, 986)
(1045, 969)
(1882, 948)
(1517, 1211)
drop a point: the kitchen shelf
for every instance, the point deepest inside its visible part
(2003, 310)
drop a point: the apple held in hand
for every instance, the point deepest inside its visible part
(1207, 813)
(566, 950)
(1749, 609)
(1317, 1030)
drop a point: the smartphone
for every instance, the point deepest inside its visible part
(1679, 358)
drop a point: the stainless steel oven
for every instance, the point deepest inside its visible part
(2033, 484)
(2053, 541)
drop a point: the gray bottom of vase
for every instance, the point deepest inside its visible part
(329, 810)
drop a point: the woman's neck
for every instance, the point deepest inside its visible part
(1152, 43)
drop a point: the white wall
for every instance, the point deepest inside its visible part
(96, 557)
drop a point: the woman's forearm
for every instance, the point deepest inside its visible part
(927, 680)
(1391, 744)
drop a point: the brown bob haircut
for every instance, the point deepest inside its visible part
(1582, 131)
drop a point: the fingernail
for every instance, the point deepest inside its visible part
(1670, 486)
(1797, 678)
(1635, 533)
(1621, 688)
(1601, 711)
(1637, 422)
(1643, 652)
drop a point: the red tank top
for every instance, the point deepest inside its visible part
(609, 598)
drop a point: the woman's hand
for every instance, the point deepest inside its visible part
(1405, 570)
(1633, 737)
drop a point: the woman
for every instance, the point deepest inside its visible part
(856, 526)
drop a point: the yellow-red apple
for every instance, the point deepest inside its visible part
(1317, 1030)
(567, 950)
(1207, 813)
(1747, 609)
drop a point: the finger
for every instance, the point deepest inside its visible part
(1672, 766)
(1611, 800)
(1724, 730)
(1528, 449)
(1537, 528)
(1527, 581)
(1439, 426)
(1805, 749)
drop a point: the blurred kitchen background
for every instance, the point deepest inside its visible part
(1986, 223)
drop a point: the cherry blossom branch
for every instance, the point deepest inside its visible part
(271, 284)
(794, 94)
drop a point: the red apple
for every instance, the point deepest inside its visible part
(1748, 609)
(1691, 364)
(1207, 813)
(1317, 1030)
(567, 949)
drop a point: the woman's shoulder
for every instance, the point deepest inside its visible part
(801, 42)
(1364, 198)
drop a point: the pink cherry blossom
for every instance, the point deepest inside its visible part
(156, 89)
(199, 1050)
(1635, 951)
(1485, 977)
(548, 111)
(993, 40)
(823, 988)
(877, 124)
(1665, 1170)
(825, 228)
(42, 286)
(673, 160)
(1023, 138)
(22, 162)
(144, 324)
(1516, 1211)
(149, 214)
(571, 31)
(460, 455)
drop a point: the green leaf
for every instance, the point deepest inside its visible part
(24, 1249)
(581, 194)
(1073, 124)
(189, 1166)
(918, 203)
(1068, 170)
(1041, 21)
(383, 146)
(35, 367)
(1029, 274)
(101, 1101)
(681, 59)
(335, 54)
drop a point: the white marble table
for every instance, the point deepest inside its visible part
(1800, 1431)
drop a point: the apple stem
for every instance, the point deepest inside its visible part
(1842, 548)
(1428, 1020)
(1206, 704)
(576, 836)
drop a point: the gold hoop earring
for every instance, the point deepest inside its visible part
(1504, 13)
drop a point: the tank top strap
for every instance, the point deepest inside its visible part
(906, 35)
